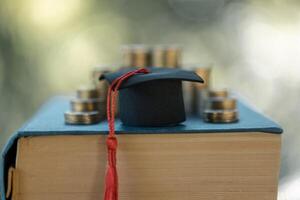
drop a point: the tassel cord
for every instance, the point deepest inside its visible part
(111, 179)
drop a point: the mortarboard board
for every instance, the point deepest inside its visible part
(154, 98)
(147, 97)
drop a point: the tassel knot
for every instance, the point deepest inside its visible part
(111, 142)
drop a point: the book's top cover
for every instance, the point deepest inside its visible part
(50, 121)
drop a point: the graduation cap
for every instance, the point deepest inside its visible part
(154, 98)
(147, 97)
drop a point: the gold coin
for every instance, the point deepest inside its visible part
(218, 93)
(220, 116)
(158, 56)
(221, 103)
(127, 56)
(101, 86)
(141, 56)
(88, 92)
(97, 72)
(136, 56)
(204, 73)
(83, 118)
(88, 105)
(173, 57)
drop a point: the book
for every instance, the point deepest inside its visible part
(49, 160)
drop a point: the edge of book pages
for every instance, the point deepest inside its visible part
(173, 166)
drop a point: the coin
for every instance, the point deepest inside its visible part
(166, 56)
(220, 116)
(101, 86)
(82, 118)
(221, 103)
(199, 99)
(141, 57)
(97, 72)
(204, 73)
(127, 56)
(88, 105)
(218, 93)
(136, 56)
(199, 91)
(173, 57)
(158, 56)
(88, 92)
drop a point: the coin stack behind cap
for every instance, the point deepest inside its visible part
(158, 55)
(204, 73)
(173, 57)
(87, 108)
(102, 86)
(88, 92)
(199, 92)
(220, 108)
(166, 56)
(136, 56)
(127, 56)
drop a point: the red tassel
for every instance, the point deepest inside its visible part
(111, 179)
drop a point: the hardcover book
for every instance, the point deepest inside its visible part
(47, 159)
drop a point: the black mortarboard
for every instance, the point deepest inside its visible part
(152, 99)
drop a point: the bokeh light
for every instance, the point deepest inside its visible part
(52, 13)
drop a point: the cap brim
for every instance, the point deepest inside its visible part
(154, 74)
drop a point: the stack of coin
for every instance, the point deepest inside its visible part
(88, 92)
(220, 108)
(87, 105)
(199, 92)
(135, 56)
(82, 118)
(87, 108)
(102, 86)
(221, 116)
(218, 93)
(173, 57)
(158, 55)
(166, 56)
(221, 103)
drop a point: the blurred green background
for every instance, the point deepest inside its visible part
(48, 47)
